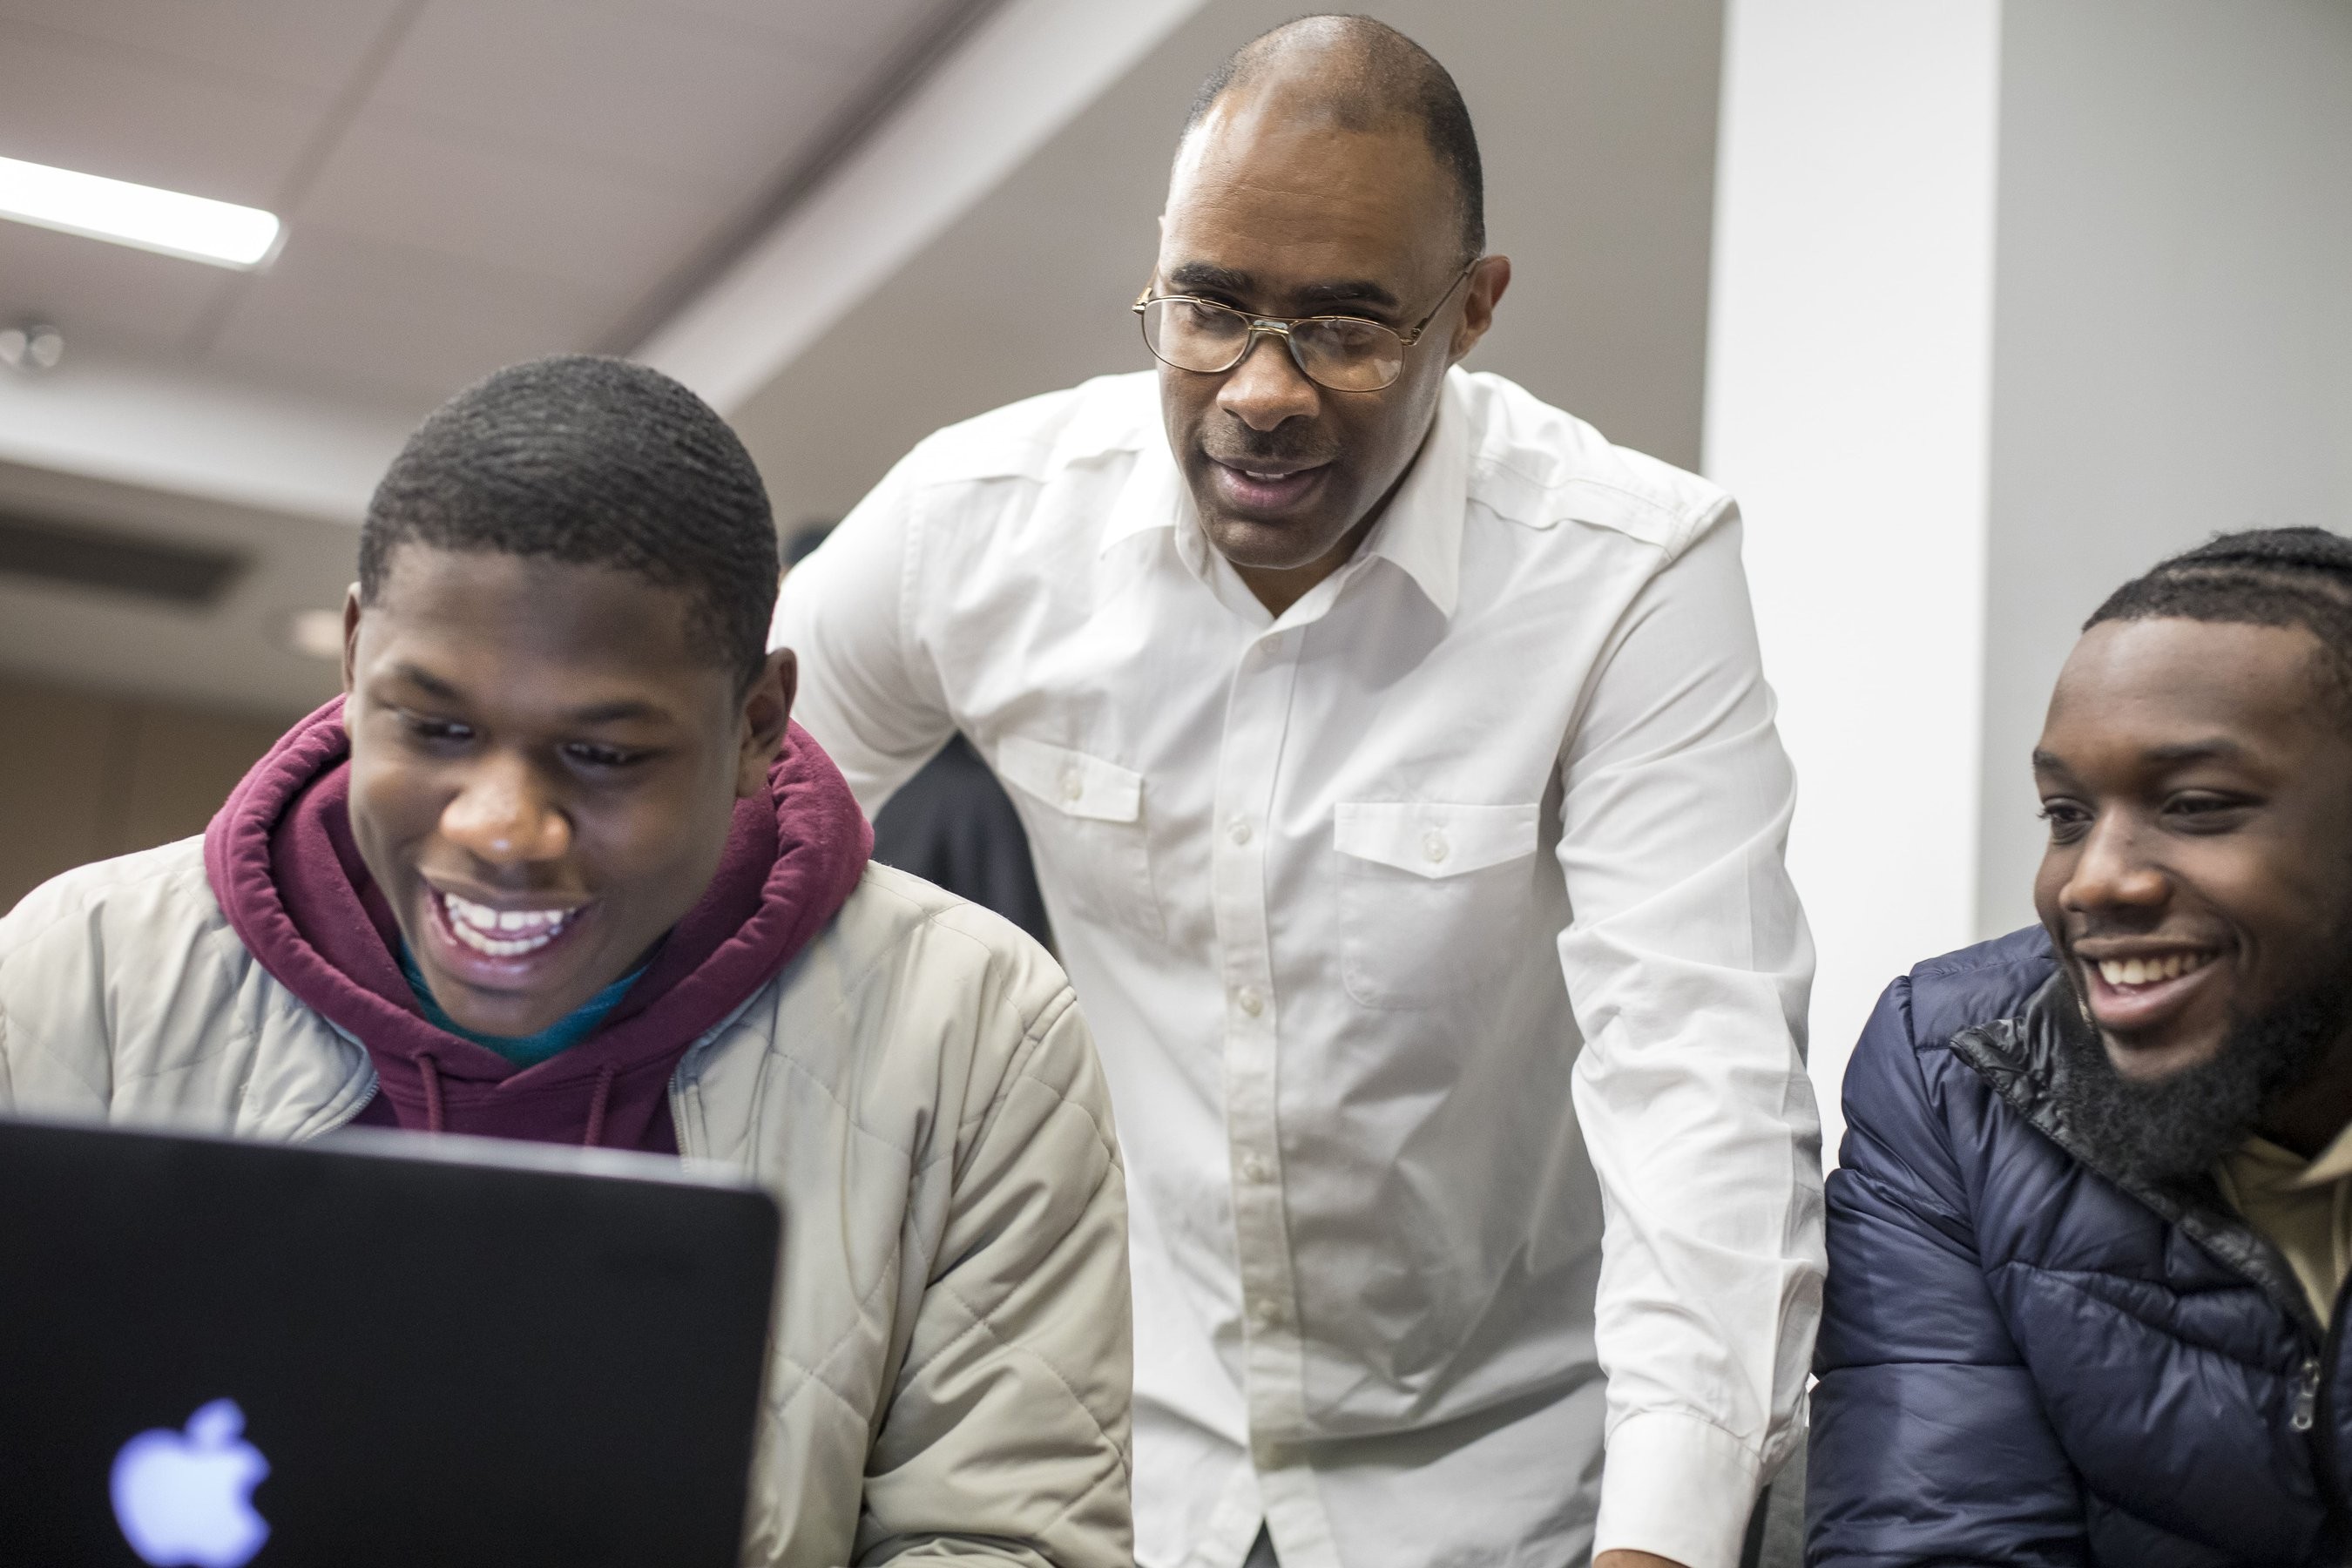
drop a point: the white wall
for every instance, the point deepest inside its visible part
(1847, 388)
(2173, 354)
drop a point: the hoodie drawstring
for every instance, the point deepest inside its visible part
(430, 1071)
(596, 1106)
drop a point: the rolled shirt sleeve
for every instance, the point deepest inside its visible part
(1688, 965)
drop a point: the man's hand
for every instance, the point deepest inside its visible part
(1633, 1560)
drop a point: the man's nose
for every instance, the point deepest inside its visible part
(503, 818)
(2113, 871)
(1266, 388)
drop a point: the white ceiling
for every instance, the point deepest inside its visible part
(465, 183)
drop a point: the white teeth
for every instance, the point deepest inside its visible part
(2148, 971)
(473, 922)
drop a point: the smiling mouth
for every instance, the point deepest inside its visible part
(502, 934)
(2135, 996)
(2122, 972)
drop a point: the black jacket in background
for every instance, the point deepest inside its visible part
(952, 826)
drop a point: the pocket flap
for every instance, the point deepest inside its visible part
(1072, 781)
(1432, 839)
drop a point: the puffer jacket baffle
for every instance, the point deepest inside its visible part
(2025, 1361)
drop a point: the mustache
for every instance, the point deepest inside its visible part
(1243, 447)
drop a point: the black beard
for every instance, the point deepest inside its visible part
(2173, 1130)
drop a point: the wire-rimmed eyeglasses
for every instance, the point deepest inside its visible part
(1345, 353)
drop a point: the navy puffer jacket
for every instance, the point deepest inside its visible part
(2026, 1361)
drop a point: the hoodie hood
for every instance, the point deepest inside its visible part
(286, 871)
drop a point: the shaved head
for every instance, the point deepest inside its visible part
(1358, 75)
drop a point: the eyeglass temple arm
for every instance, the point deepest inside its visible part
(1413, 337)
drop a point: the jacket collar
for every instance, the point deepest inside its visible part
(2022, 1061)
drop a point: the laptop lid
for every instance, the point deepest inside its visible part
(378, 1349)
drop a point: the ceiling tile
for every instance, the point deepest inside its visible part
(511, 207)
(89, 288)
(130, 116)
(315, 44)
(364, 314)
(647, 92)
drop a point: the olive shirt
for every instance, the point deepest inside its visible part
(2302, 1207)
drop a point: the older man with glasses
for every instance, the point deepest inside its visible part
(1406, 799)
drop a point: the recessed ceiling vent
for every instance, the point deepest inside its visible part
(191, 575)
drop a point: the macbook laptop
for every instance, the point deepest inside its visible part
(377, 1349)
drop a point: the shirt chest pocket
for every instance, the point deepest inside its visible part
(1089, 837)
(1434, 899)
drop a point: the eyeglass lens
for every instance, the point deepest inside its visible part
(1336, 352)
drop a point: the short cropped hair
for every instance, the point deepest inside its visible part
(2267, 577)
(1372, 76)
(593, 462)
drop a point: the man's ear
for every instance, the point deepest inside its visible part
(1483, 293)
(767, 709)
(350, 638)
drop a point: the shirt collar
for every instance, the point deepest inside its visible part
(1153, 497)
(2333, 1164)
(1421, 533)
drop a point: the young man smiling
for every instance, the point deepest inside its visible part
(558, 866)
(2090, 1237)
(1406, 800)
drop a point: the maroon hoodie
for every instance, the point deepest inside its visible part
(283, 864)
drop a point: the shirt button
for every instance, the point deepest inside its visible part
(1265, 1315)
(1255, 1168)
(1434, 845)
(1251, 1002)
(1073, 783)
(1240, 831)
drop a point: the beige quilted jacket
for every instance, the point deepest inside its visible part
(949, 1380)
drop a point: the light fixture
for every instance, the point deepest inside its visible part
(166, 222)
(32, 347)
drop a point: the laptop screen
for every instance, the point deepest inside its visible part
(380, 1350)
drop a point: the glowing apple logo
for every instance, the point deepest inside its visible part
(185, 1498)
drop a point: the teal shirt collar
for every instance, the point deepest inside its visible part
(529, 1050)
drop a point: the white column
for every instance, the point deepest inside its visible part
(1848, 372)
(2173, 356)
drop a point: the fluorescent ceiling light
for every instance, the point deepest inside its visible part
(200, 229)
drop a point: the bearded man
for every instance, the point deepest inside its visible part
(2089, 1241)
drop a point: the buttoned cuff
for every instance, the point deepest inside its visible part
(1677, 1486)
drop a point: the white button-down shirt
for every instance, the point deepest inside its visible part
(1436, 940)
